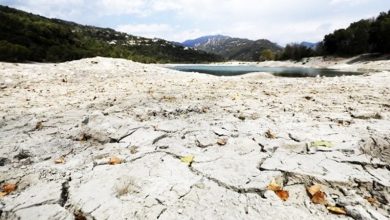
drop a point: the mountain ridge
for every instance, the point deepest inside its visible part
(233, 48)
(204, 39)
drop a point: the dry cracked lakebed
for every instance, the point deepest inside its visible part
(112, 139)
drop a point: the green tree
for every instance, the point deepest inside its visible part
(296, 52)
(380, 32)
(267, 55)
(360, 37)
(13, 52)
(364, 36)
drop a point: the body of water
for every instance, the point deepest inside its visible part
(229, 70)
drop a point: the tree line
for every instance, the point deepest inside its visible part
(364, 36)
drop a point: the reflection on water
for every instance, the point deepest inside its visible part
(220, 70)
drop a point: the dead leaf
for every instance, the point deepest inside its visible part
(9, 187)
(337, 210)
(371, 200)
(2, 194)
(222, 141)
(273, 186)
(314, 189)
(187, 159)
(60, 160)
(319, 198)
(269, 134)
(114, 160)
(282, 194)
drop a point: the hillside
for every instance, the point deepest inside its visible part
(205, 40)
(233, 48)
(28, 37)
(364, 36)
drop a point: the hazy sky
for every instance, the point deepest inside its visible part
(281, 21)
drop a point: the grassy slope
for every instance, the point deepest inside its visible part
(28, 37)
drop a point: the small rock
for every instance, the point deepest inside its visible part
(222, 141)
(242, 117)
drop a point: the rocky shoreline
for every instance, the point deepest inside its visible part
(105, 138)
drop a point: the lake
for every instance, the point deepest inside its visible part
(234, 70)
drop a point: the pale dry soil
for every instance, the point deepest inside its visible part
(243, 132)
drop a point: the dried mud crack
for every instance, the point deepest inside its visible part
(123, 140)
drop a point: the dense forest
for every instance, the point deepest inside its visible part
(364, 36)
(28, 37)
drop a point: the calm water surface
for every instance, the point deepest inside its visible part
(229, 70)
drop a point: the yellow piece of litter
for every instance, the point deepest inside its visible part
(187, 159)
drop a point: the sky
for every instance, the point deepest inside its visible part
(281, 21)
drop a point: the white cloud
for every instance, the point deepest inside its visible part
(165, 6)
(134, 7)
(121, 6)
(164, 31)
(279, 20)
(146, 30)
(189, 34)
(355, 2)
(73, 10)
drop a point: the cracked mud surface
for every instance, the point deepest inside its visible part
(243, 132)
